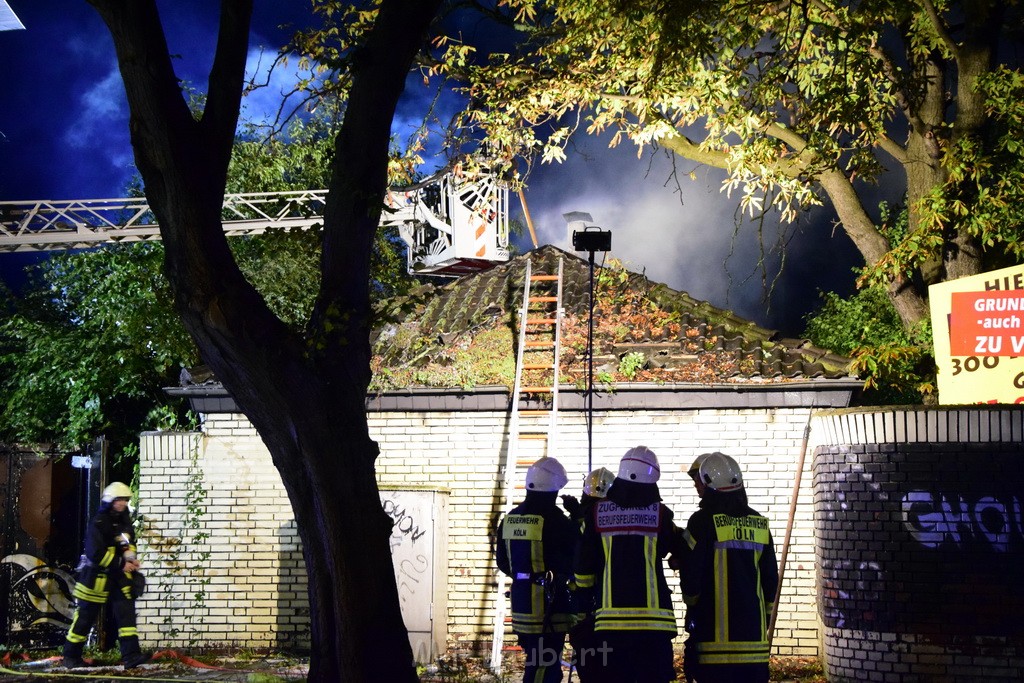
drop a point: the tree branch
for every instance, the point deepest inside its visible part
(227, 75)
(684, 147)
(184, 167)
(359, 171)
(894, 149)
(890, 73)
(940, 28)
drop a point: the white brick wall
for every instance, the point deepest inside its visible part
(256, 594)
(243, 558)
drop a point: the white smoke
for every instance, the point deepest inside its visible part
(682, 231)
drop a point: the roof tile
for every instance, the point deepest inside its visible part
(463, 334)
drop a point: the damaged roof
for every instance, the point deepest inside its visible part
(464, 334)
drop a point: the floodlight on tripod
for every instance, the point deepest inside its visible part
(589, 238)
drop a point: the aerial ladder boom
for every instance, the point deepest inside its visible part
(451, 225)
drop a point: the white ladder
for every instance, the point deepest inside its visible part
(539, 352)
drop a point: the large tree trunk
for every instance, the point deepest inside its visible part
(910, 303)
(356, 624)
(963, 255)
(304, 393)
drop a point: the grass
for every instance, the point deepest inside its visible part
(803, 669)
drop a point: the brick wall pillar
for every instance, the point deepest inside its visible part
(919, 525)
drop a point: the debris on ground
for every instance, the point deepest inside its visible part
(275, 667)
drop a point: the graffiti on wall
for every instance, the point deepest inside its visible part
(957, 521)
(851, 583)
(405, 527)
(412, 552)
(41, 595)
(847, 582)
(920, 540)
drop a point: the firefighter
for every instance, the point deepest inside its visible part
(595, 488)
(690, 646)
(105, 572)
(535, 544)
(586, 658)
(729, 575)
(625, 541)
(694, 472)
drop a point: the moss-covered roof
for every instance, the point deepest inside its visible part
(464, 334)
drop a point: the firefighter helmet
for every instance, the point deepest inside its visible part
(640, 464)
(116, 490)
(721, 473)
(547, 474)
(598, 482)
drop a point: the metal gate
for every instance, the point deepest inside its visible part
(46, 499)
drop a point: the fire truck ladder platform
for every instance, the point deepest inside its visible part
(451, 225)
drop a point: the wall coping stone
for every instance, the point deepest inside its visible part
(816, 393)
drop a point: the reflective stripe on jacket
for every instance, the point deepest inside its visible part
(729, 576)
(622, 555)
(535, 546)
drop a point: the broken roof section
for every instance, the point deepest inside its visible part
(463, 335)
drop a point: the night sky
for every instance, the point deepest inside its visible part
(64, 135)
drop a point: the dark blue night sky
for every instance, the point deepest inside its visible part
(65, 136)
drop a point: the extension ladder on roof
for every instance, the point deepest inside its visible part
(537, 359)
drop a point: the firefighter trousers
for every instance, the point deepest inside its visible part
(639, 656)
(543, 652)
(86, 614)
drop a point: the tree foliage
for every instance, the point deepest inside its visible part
(94, 337)
(87, 348)
(800, 103)
(898, 367)
(285, 269)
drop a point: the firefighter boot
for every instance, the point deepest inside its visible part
(73, 656)
(136, 659)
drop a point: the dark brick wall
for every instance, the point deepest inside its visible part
(920, 554)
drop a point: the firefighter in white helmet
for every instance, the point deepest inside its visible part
(693, 471)
(625, 541)
(727, 559)
(535, 544)
(106, 572)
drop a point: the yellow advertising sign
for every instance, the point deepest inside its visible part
(979, 319)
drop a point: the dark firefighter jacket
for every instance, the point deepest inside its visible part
(729, 575)
(626, 538)
(583, 600)
(107, 537)
(535, 548)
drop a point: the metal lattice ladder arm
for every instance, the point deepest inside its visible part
(47, 225)
(452, 224)
(540, 332)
